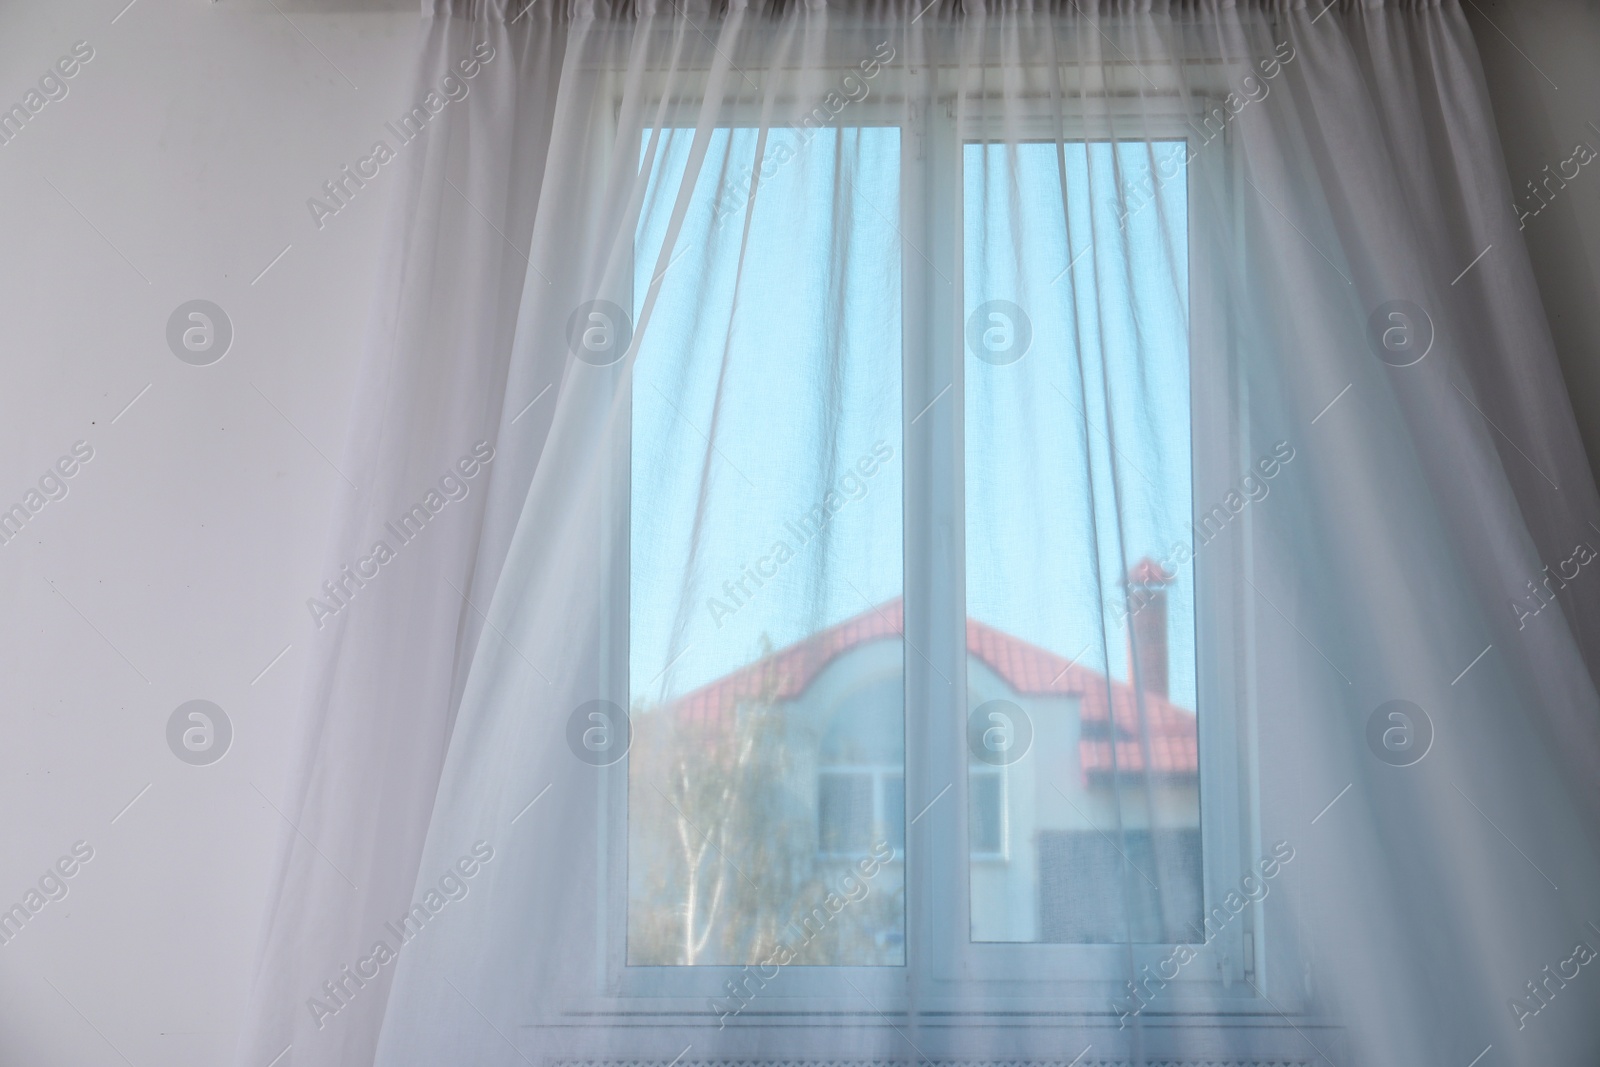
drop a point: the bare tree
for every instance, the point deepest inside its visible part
(723, 841)
(713, 828)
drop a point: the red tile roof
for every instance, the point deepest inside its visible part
(1026, 668)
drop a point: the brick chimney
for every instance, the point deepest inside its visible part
(1147, 626)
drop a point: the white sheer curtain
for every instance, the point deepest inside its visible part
(949, 534)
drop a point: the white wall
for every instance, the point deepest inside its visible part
(184, 551)
(1541, 60)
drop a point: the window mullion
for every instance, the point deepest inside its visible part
(935, 629)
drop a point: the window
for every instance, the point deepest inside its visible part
(1059, 624)
(906, 629)
(856, 808)
(766, 686)
(986, 815)
(1094, 894)
(847, 811)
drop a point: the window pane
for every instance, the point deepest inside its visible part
(986, 818)
(765, 656)
(1094, 894)
(1080, 581)
(844, 813)
(894, 810)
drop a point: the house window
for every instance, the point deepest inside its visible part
(783, 725)
(1077, 395)
(766, 681)
(986, 815)
(859, 807)
(1144, 887)
(846, 811)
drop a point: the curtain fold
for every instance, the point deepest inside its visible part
(393, 630)
(965, 533)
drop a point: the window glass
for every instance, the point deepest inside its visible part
(765, 656)
(986, 817)
(1144, 911)
(1084, 779)
(845, 810)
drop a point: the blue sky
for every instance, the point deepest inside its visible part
(1098, 408)
(785, 352)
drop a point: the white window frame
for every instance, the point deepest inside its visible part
(1083, 977)
(801, 988)
(974, 977)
